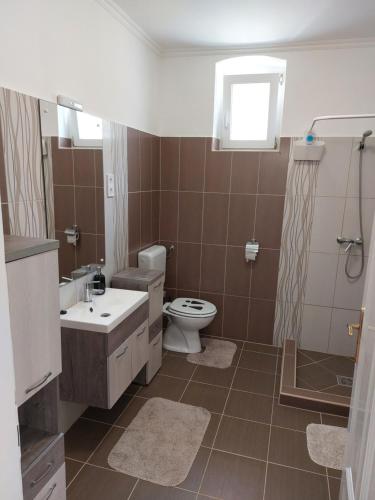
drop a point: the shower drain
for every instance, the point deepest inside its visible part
(346, 381)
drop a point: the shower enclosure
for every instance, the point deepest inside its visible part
(328, 213)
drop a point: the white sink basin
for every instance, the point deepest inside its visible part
(119, 304)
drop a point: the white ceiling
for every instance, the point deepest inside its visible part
(218, 24)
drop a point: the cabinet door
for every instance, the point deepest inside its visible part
(55, 489)
(119, 370)
(155, 295)
(35, 322)
(155, 355)
(140, 349)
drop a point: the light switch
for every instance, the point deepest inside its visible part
(110, 185)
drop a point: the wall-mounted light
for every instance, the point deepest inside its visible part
(68, 102)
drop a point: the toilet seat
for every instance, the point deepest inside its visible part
(191, 308)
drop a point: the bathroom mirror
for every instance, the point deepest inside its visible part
(73, 174)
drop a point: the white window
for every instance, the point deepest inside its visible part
(87, 130)
(250, 111)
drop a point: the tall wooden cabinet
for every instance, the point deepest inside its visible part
(32, 277)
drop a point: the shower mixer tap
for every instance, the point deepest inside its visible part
(349, 241)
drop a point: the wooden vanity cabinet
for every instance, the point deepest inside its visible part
(151, 281)
(98, 367)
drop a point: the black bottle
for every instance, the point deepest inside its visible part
(99, 276)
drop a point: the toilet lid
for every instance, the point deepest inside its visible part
(192, 307)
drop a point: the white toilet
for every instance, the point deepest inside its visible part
(186, 316)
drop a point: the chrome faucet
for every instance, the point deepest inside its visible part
(349, 242)
(89, 291)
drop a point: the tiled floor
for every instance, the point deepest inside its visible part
(253, 449)
(318, 371)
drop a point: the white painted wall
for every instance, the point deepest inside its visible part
(76, 48)
(318, 82)
(10, 465)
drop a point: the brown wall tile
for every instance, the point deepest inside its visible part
(85, 215)
(269, 220)
(245, 168)
(146, 161)
(155, 215)
(192, 163)
(235, 317)
(241, 218)
(155, 161)
(134, 169)
(188, 266)
(84, 167)
(170, 162)
(168, 215)
(171, 271)
(274, 169)
(217, 172)
(261, 322)
(98, 161)
(64, 207)
(134, 221)
(190, 217)
(213, 268)
(182, 168)
(86, 250)
(67, 255)
(146, 218)
(215, 218)
(237, 280)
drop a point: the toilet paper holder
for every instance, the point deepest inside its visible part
(251, 250)
(72, 234)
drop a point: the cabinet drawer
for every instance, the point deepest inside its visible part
(139, 349)
(155, 356)
(40, 472)
(155, 292)
(35, 322)
(119, 370)
(55, 489)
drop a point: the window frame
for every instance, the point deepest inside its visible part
(275, 80)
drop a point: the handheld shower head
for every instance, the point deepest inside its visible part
(365, 134)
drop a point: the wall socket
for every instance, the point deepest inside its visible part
(110, 185)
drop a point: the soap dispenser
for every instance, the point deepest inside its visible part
(100, 281)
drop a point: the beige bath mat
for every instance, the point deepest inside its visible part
(326, 445)
(217, 353)
(161, 442)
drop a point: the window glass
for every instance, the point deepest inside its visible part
(249, 111)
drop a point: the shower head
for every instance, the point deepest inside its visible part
(365, 134)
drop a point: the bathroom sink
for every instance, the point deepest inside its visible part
(108, 310)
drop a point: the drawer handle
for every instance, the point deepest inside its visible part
(156, 343)
(157, 286)
(142, 332)
(43, 475)
(122, 353)
(41, 382)
(50, 491)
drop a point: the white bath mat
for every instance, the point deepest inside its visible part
(326, 445)
(216, 353)
(161, 442)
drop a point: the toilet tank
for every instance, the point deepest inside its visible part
(153, 258)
